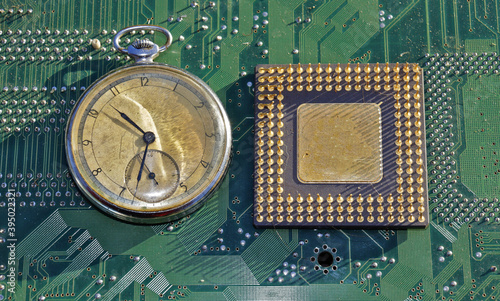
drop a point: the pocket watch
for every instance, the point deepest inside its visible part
(148, 142)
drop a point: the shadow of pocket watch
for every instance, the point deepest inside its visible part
(148, 142)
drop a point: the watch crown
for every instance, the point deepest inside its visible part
(143, 44)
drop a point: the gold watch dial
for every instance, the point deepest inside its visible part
(148, 142)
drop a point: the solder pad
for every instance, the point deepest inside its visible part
(340, 145)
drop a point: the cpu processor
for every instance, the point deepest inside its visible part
(340, 145)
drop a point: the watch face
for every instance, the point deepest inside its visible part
(148, 143)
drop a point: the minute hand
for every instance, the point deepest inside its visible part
(139, 176)
(124, 116)
(149, 137)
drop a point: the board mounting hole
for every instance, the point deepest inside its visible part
(325, 259)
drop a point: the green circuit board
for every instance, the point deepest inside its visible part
(54, 245)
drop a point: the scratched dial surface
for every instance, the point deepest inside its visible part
(156, 178)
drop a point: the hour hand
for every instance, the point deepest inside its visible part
(124, 116)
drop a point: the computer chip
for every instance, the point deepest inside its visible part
(340, 145)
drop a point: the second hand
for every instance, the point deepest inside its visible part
(151, 175)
